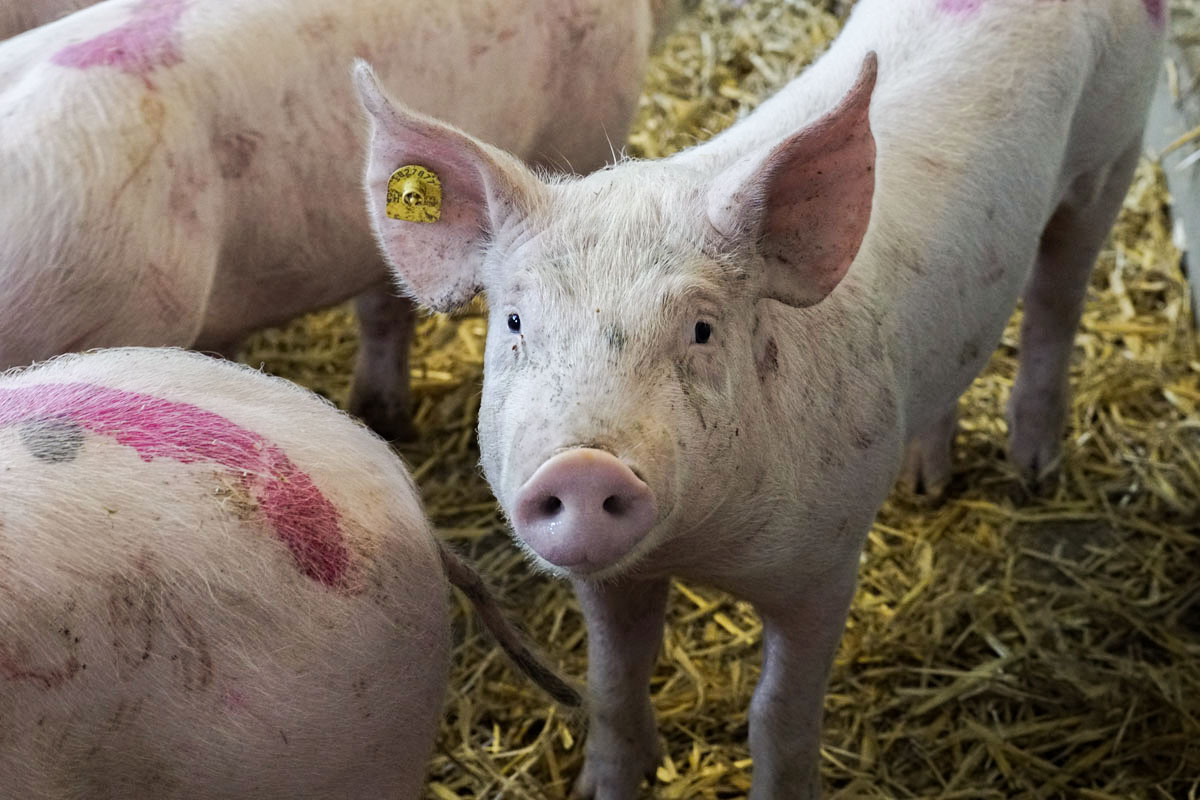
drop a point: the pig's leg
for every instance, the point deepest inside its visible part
(625, 629)
(799, 642)
(1053, 303)
(380, 396)
(927, 460)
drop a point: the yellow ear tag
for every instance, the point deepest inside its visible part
(414, 194)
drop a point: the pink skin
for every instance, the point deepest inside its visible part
(583, 509)
(148, 41)
(959, 6)
(300, 514)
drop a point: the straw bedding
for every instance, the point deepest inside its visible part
(1008, 642)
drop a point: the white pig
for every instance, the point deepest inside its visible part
(710, 366)
(181, 172)
(213, 585)
(21, 15)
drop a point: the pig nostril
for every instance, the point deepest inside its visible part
(551, 506)
(612, 504)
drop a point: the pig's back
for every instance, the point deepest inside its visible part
(211, 584)
(196, 137)
(984, 114)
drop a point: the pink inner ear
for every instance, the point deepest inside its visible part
(819, 185)
(438, 262)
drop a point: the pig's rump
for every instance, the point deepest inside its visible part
(191, 608)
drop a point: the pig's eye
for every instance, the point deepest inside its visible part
(514, 323)
(702, 333)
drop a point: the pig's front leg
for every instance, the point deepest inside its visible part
(380, 396)
(625, 629)
(799, 642)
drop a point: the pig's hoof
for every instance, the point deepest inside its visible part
(1035, 443)
(1037, 460)
(389, 418)
(616, 776)
(927, 468)
(616, 783)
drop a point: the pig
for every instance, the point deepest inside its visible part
(182, 172)
(17, 16)
(715, 366)
(214, 585)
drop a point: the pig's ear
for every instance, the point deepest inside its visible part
(806, 202)
(437, 245)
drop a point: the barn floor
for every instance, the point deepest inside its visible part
(1005, 643)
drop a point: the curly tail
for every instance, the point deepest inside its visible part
(471, 584)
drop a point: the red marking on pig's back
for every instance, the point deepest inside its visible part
(148, 41)
(156, 428)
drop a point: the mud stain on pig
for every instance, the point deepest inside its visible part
(159, 286)
(79, 341)
(768, 365)
(235, 498)
(135, 613)
(318, 29)
(905, 255)
(235, 151)
(55, 441)
(863, 438)
(616, 337)
(17, 664)
(687, 387)
(193, 660)
(934, 166)
(154, 116)
(969, 353)
(299, 513)
(186, 186)
(149, 40)
(125, 715)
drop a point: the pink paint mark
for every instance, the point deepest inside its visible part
(301, 516)
(1157, 9)
(960, 7)
(148, 41)
(235, 700)
(964, 8)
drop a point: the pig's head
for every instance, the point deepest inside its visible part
(622, 344)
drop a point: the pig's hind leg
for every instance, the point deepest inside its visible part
(1053, 304)
(380, 396)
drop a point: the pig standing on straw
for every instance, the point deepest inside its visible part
(714, 366)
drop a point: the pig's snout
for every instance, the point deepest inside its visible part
(583, 509)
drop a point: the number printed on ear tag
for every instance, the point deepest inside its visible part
(414, 194)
